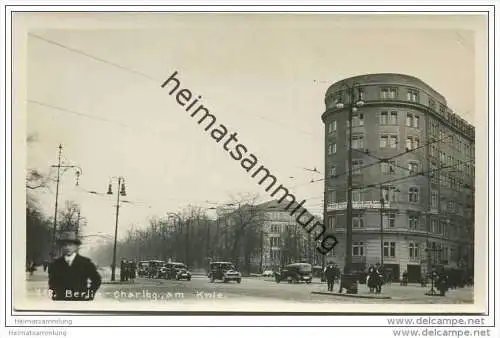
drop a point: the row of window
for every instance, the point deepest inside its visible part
(450, 205)
(463, 168)
(444, 135)
(447, 179)
(438, 252)
(412, 95)
(392, 195)
(439, 227)
(388, 168)
(385, 118)
(391, 93)
(358, 249)
(385, 141)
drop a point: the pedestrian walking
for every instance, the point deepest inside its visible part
(381, 276)
(31, 268)
(72, 277)
(123, 270)
(372, 278)
(330, 273)
(442, 283)
(404, 281)
(132, 270)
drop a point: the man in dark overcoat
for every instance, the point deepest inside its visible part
(330, 274)
(72, 277)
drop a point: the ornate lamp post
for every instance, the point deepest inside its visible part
(78, 172)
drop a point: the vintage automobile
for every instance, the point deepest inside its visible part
(224, 271)
(162, 271)
(178, 271)
(295, 273)
(154, 269)
(268, 273)
(142, 268)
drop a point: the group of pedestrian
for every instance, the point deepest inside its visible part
(128, 270)
(375, 278)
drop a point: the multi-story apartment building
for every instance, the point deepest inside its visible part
(284, 240)
(412, 175)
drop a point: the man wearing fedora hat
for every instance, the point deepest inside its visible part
(72, 277)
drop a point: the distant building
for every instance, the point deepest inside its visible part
(427, 187)
(284, 239)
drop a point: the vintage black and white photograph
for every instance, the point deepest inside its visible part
(254, 162)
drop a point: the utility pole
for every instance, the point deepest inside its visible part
(382, 205)
(54, 231)
(120, 191)
(430, 174)
(326, 219)
(348, 252)
(261, 250)
(207, 222)
(58, 179)
(353, 104)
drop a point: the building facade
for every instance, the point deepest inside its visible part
(284, 239)
(412, 175)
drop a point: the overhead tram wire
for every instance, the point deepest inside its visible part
(116, 65)
(292, 187)
(421, 173)
(135, 72)
(110, 63)
(94, 117)
(387, 159)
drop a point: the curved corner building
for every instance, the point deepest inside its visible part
(412, 176)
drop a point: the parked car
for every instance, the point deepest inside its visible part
(178, 271)
(268, 273)
(154, 269)
(295, 273)
(224, 271)
(142, 268)
(162, 271)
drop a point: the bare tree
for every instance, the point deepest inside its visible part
(245, 223)
(70, 218)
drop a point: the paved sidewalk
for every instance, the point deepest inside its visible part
(411, 293)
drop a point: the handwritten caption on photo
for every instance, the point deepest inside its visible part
(143, 294)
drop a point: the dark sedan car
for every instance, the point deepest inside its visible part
(178, 271)
(295, 273)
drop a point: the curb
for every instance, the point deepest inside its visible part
(350, 295)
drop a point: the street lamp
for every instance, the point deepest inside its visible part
(120, 191)
(79, 171)
(178, 242)
(353, 104)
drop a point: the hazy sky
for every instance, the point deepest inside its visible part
(263, 76)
